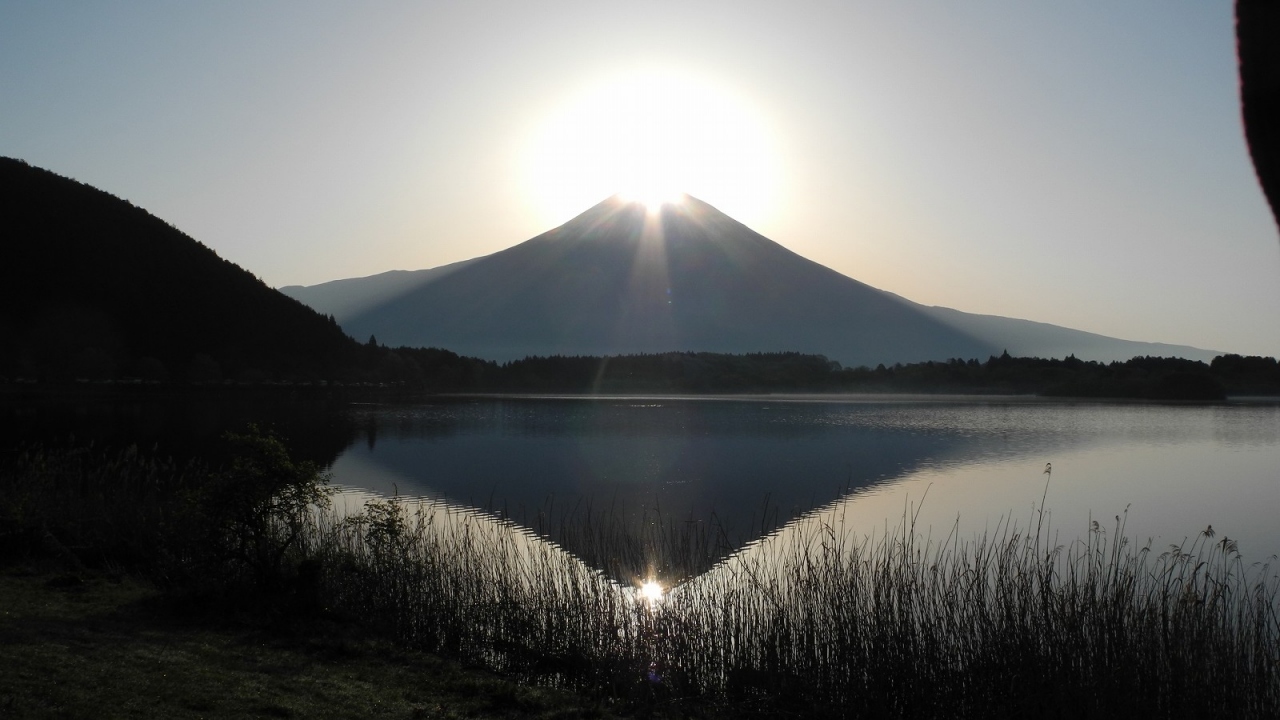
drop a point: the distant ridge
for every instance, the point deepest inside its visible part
(618, 279)
(345, 298)
(1027, 338)
(93, 287)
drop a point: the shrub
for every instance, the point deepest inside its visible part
(247, 520)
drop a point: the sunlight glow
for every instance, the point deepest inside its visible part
(651, 591)
(653, 197)
(652, 135)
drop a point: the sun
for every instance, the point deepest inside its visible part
(652, 135)
(653, 197)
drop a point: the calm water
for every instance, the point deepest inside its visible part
(1175, 468)
(750, 461)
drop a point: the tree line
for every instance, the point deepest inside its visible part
(1141, 377)
(434, 370)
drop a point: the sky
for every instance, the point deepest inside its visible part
(1080, 163)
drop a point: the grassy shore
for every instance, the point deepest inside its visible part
(818, 620)
(84, 644)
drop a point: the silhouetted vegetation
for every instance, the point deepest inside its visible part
(99, 645)
(1145, 378)
(669, 373)
(820, 619)
(180, 524)
(407, 371)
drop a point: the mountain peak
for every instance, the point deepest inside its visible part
(625, 277)
(621, 217)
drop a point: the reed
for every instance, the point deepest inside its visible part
(89, 505)
(895, 626)
(822, 618)
(818, 617)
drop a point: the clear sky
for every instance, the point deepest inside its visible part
(1079, 163)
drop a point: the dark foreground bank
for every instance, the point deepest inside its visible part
(83, 644)
(819, 622)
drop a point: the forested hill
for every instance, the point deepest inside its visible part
(92, 286)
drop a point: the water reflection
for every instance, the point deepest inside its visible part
(744, 467)
(691, 458)
(651, 591)
(525, 555)
(679, 482)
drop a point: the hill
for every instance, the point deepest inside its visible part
(94, 287)
(618, 279)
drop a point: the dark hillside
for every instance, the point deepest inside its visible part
(94, 287)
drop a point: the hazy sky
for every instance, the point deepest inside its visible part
(1079, 163)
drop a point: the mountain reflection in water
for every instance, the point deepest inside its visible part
(679, 482)
(640, 486)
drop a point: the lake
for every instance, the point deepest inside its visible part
(752, 463)
(747, 547)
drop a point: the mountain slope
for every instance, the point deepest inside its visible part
(1026, 338)
(352, 296)
(617, 280)
(91, 286)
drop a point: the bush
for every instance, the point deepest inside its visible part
(247, 520)
(186, 527)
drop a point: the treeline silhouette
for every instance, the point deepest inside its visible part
(408, 371)
(431, 370)
(688, 372)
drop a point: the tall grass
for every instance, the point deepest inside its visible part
(896, 626)
(467, 585)
(821, 617)
(89, 505)
(180, 524)
(818, 617)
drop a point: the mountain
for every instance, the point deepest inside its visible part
(345, 298)
(93, 287)
(619, 279)
(1026, 338)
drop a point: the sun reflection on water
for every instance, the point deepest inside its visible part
(651, 591)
